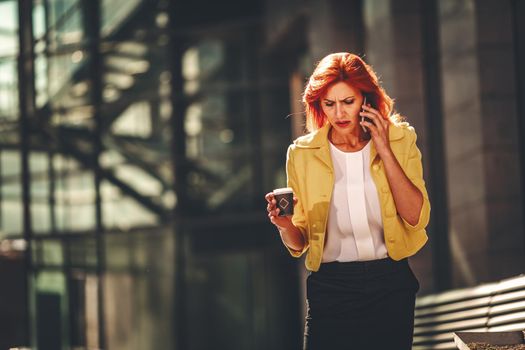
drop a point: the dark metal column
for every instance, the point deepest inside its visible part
(180, 169)
(1, 196)
(92, 23)
(50, 147)
(518, 19)
(26, 97)
(438, 228)
(52, 187)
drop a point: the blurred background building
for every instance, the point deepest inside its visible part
(138, 138)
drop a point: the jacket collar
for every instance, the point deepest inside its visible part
(319, 140)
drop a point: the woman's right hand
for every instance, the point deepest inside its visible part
(291, 235)
(282, 222)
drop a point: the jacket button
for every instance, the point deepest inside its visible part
(391, 239)
(314, 225)
(375, 167)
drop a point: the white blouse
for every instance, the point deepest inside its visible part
(355, 227)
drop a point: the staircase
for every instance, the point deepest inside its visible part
(131, 69)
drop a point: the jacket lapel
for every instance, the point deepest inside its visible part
(318, 142)
(323, 154)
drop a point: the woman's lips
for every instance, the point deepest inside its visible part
(343, 123)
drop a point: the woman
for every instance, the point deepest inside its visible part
(360, 209)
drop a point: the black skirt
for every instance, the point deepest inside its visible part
(361, 305)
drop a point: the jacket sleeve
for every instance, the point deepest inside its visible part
(414, 171)
(298, 219)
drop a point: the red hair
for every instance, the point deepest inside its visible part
(349, 68)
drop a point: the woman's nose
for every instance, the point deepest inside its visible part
(338, 110)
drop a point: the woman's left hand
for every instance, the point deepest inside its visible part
(378, 130)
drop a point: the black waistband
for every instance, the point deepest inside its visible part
(370, 265)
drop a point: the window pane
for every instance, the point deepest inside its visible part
(11, 192)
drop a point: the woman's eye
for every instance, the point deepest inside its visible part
(349, 102)
(328, 104)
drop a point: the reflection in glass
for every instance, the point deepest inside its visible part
(52, 253)
(121, 211)
(114, 12)
(82, 252)
(218, 128)
(8, 97)
(11, 192)
(74, 195)
(138, 302)
(40, 194)
(50, 302)
(8, 28)
(118, 252)
(65, 22)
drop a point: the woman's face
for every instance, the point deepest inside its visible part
(341, 105)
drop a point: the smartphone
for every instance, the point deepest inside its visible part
(365, 119)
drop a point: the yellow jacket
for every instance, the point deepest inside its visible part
(311, 175)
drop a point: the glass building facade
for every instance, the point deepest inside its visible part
(133, 171)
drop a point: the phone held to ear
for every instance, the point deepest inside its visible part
(365, 119)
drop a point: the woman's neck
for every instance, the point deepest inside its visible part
(349, 140)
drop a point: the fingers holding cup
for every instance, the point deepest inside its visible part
(284, 201)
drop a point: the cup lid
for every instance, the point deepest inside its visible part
(283, 190)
